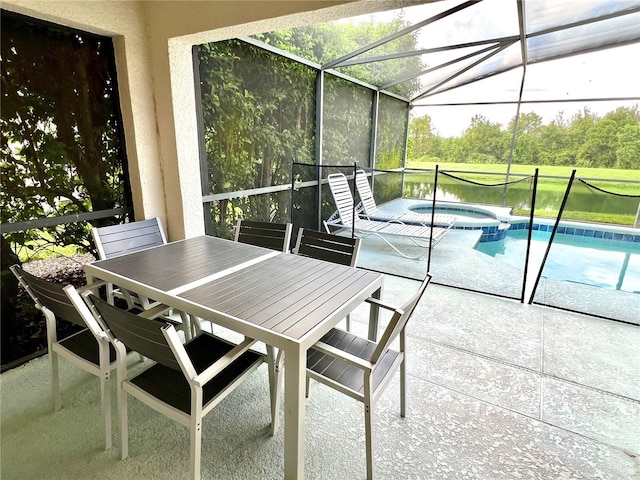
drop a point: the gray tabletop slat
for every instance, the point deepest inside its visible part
(309, 300)
(290, 288)
(235, 288)
(180, 263)
(288, 294)
(327, 305)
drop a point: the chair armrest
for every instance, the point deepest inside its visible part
(379, 303)
(342, 355)
(212, 370)
(91, 286)
(155, 312)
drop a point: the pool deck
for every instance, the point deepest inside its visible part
(497, 390)
(583, 371)
(455, 263)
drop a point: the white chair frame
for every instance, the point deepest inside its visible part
(376, 362)
(55, 297)
(196, 381)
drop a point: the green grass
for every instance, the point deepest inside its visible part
(577, 216)
(557, 171)
(604, 173)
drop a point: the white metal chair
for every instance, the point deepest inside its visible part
(328, 247)
(344, 217)
(368, 208)
(116, 240)
(276, 236)
(88, 349)
(361, 368)
(186, 382)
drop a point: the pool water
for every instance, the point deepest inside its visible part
(608, 264)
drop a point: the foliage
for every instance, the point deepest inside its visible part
(259, 113)
(258, 110)
(584, 141)
(391, 133)
(322, 43)
(61, 151)
(346, 137)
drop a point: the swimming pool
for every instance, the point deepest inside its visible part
(603, 262)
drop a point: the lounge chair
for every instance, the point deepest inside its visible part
(424, 237)
(368, 208)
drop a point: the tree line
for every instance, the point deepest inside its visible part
(584, 139)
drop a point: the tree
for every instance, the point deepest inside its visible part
(259, 113)
(60, 141)
(483, 142)
(628, 147)
(599, 147)
(422, 139)
(556, 147)
(527, 146)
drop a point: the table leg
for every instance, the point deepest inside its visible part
(294, 412)
(373, 316)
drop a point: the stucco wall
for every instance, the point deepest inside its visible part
(153, 43)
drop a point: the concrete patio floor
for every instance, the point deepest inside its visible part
(496, 390)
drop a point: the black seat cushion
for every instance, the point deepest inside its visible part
(171, 386)
(85, 345)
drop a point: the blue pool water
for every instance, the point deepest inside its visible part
(605, 263)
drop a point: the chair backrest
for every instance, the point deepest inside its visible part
(49, 295)
(276, 236)
(369, 206)
(327, 247)
(116, 240)
(135, 332)
(399, 320)
(342, 197)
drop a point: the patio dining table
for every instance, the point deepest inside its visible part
(285, 300)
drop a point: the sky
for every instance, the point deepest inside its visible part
(601, 74)
(604, 74)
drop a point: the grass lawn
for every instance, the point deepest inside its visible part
(560, 171)
(552, 183)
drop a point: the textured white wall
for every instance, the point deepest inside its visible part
(153, 43)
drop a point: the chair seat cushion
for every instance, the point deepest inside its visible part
(171, 387)
(85, 345)
(344, 373)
